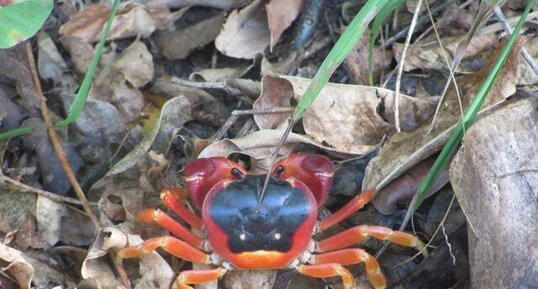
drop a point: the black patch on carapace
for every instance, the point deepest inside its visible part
(283, 210)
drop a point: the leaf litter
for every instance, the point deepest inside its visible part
(182, 79)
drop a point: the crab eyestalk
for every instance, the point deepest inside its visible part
(202, 174)
(315, 171)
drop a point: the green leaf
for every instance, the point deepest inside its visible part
(22, 19)
(376, 27)
(338, 53)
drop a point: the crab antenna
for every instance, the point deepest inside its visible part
(261, 194)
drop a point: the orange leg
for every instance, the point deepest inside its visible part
(328, 270)
(197, 277)
(353, 206)
(171, 245)
(171, 198)
(355, 256)
(357, 234)
(171, 225)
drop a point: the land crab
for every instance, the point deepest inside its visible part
(248, 232)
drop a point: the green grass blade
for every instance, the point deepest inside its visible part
(15, 132)
(338, 53)
(22, 19)
(374, 32)
(470, 114)
(82, 94)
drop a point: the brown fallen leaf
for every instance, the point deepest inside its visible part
(81, 53)
(495, 177)
(220, 4)
(118, 83)
(276, 92)
(179, 44)
(245, 33)
(280, 15)
(406, 149)
(132, 19)
(346, 116)
(427, 55)
(219, 74)
(17, 266)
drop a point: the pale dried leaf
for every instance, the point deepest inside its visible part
(118, 83)
(49, 220)
(17, 266)
(245, 33)
(357, 59)
(131, 20)
(51, 65)
(179, 44)
(495, 177)
(81, 52)
(220, 4)
(174, 114)
(219, 74)
(280, 15)
(276, 92)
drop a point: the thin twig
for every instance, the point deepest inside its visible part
(54, 139)
(508, 28)
(401, 65)
(46, 194)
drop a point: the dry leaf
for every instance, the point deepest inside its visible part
(118, 83)
(346, 116)
(427, 55)
(276, 92)
(131, 20)
(220, 4)
(406, 149)
(179, 44)
(219, 74)
(17, 266)
(81, 53)
(51, 65)
(495, 177)
(245, 33)
(280, 15)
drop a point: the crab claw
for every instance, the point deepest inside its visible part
(314, 171)
(202, 174)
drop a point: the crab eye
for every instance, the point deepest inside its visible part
(237, 173)
(279, 170)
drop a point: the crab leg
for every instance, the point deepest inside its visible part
(357, 234)
(171, 198)
(355, 256)
(198, 276)
(165, 221)
(171, 245)
(328, 270)
(353, 206)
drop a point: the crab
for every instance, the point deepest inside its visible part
(246, 230)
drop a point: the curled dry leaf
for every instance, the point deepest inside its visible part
(495, 177)
(219, 74)
(179, 44)
(17, 266)
(406, 149)
(347, 116)
(276, 92)
(131, 20)
(175, 113)
(245, 33)
(118, 83)
(155, 272)
(280, 15)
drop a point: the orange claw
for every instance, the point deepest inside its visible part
(169, 224)
(353, 206)
(355, 256)
(171, 198)
(328, 270)
(198, 276)
(357, 234)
